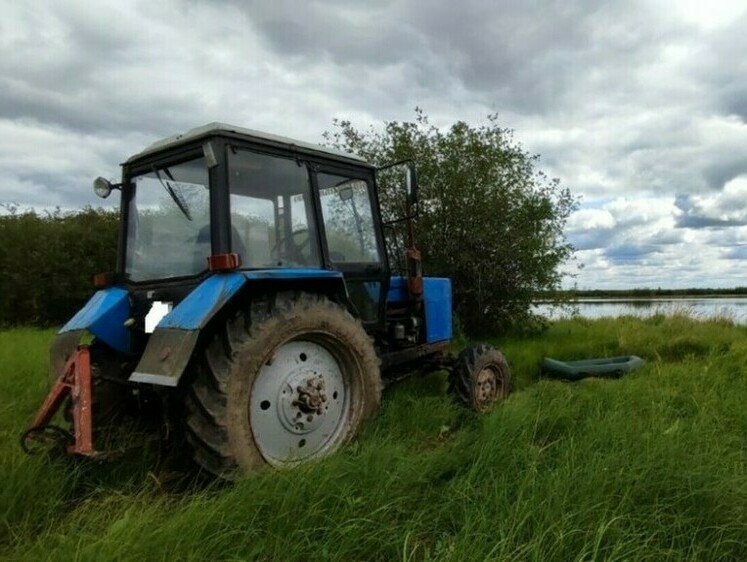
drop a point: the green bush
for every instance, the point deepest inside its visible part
(47, 262)
(489, 219)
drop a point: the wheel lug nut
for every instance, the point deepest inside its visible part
(309, 418)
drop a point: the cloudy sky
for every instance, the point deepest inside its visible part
(639, 107)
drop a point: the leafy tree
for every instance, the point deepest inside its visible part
(489, 218)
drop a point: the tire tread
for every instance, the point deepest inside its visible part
(207, 399)
(461, 377)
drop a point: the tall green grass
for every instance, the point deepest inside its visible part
(648, 467)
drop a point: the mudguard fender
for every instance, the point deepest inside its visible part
(172, 343)
(104, 316)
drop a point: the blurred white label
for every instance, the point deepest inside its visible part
(155, 314)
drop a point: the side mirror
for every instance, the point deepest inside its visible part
(412, 185)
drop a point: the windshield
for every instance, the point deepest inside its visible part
(168, 228)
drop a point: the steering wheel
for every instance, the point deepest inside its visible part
(294, 250)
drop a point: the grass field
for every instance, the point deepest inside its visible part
(648, 467)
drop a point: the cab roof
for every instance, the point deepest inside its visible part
(224, 129)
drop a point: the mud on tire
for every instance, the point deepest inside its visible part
(480, 377)
(288, 380)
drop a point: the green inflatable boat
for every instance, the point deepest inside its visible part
(609, 367)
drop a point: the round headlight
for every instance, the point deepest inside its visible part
(102, 187)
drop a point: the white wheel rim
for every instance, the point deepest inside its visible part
(299, 403)
(488, 387)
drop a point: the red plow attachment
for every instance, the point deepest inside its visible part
(74, 382)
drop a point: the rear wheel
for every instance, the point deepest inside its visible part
(288, 381)
(480, 377)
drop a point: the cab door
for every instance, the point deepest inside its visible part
(352, 239)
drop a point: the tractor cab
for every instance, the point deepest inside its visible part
(226, 198)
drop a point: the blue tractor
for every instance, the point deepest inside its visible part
(259, 302)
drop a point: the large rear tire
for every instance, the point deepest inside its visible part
(287, 381)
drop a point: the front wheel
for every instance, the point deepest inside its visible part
(287, 382)
(480, 377)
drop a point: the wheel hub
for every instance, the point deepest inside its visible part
(298, 403)
(487, 386)
(302, 401)
(311, 397)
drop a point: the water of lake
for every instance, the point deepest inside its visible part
(730, 307)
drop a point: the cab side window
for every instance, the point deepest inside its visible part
(272, 212)
(348, 219)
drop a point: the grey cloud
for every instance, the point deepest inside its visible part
(592, 239)
(672, 152)
(96, 112)
(736, 103)
(347, 34)
(694, 214)
(666, 237)
(692, 221)
(628, 253)
(724, 238)
(94, 78)
(738, 253)
(724, 167)
(539, 57)
(720, 64)
(530, 56)
(625, 239)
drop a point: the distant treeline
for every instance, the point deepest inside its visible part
(47, 261)
(643, 293)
